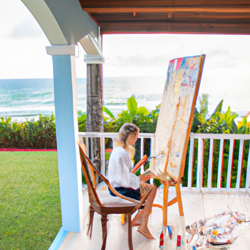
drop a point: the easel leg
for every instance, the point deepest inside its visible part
(178, 194)
(165, 213)
(165, 205)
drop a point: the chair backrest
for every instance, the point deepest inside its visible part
(93, 197)
(86, 167)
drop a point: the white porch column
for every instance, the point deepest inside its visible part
(66, 135)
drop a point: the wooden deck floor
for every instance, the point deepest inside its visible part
(197, 205)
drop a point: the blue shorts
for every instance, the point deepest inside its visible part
(129, 192)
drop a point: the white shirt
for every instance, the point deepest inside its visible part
(120, 166)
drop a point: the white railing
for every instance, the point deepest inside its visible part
(200, 163)
(200, 156)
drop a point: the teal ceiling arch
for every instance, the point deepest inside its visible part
(63, 21)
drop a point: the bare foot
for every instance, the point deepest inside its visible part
(144, 231)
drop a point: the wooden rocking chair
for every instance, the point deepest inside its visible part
(114, 205)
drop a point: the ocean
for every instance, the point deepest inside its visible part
(27, 98)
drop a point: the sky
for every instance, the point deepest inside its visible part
(225, 74)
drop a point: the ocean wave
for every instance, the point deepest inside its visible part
(41, 94)
(24, 109)
(114, 103)
(28, 97)
(49, 102)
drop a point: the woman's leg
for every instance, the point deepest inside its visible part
(141, 218)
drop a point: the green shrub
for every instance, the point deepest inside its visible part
(40, 134)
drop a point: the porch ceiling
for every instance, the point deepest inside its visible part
(180, 16)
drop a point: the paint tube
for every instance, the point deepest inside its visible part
(171, 178)
(170, 232)
(201, 242)
(193, 241)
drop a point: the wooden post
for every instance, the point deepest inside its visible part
(94, 62)
(94, 110)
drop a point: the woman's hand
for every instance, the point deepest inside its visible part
(143, 178)
(146, 176)
(164, 182)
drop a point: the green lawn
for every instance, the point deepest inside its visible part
(30, 214)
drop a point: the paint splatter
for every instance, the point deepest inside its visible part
(172, 165)
(178, 81)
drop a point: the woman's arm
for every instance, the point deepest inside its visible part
(147, 175)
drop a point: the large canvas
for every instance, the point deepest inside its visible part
(175, 118)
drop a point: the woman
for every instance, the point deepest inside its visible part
(127, 183)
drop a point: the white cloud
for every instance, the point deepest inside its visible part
(225, 75)
(23, 43)
(26, 29)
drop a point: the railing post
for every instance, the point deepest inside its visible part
(191, 163)
(80, 140)
(210, 164)
(87, 146)
(142, 147)
(152, 148)
(240, 163)
(248, 169)
(199, 179)
(142, 152)
(230, 163)
(103, 156)
(220, 164)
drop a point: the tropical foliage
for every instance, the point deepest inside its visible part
(243, 126)
(222, 123)
(41, 133)
(140, 116)
(217, 123)
(32, 134)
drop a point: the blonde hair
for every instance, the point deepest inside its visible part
(124, 132)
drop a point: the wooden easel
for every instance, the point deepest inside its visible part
(176, 116)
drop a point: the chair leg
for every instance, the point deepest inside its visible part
(91, 219)
(130, 244)
(104, 231)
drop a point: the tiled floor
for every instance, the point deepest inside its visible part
(196, 205)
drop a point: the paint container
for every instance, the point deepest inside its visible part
(161, 240)
(178, 243)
